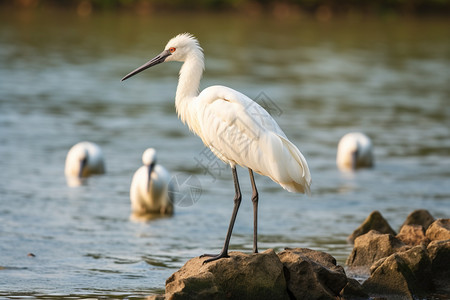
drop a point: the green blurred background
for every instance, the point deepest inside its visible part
(321, 9)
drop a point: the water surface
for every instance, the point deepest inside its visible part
(60, 84)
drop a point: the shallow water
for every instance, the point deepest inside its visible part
(60, 84)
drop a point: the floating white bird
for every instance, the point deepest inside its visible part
(149, 191)
(234, 127)
(83, 159)
(354, 151)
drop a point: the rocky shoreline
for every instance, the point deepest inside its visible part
(413, 264)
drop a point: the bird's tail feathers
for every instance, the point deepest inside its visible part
(300, 181)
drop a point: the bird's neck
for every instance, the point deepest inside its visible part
(188, 85)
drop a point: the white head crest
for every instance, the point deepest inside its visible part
(183, 45)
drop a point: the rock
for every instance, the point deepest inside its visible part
(312, 274)
(353, 290)
(418, 261)
(439, 253)
(294, 274)
(413, 235)
(439, 230)
(374, 221)
(419, 217)
(407, 274)
(371, 247)
(244, 276)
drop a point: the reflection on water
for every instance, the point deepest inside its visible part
(147, 217)
(60, 84)
(75, 181)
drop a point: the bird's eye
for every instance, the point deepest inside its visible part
(172, 49)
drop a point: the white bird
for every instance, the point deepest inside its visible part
(354, 151)
(83, 159)
(236, 129)
(149, 191)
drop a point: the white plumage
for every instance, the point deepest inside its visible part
(234, 127)
(240, 132)
(149, 191)
(354, 151)
(83, 159)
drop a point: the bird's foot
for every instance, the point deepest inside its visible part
(214, 257)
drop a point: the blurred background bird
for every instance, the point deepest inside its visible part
(150, 191)
(354, 151)
(83, 159)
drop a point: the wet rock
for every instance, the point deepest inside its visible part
(419, 217)
(353, 290)
(312, 274)
(439, 230)
(407, 274)
(413, 235)
(439, 253)
(244, 276)
(374, 221)
(371, 247)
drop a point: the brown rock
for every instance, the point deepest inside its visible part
(439, 253)
(419, 217)
(353, 290)
(413, 235)
(407, 274)
(418, 261)
(312, 274)
(371, 247)
(244, 276)
(439, 230)
(374, 221)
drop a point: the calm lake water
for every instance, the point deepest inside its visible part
(60, 84)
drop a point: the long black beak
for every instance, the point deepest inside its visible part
(83, 164)
(150, 171)
(157, 60)
(355, 159)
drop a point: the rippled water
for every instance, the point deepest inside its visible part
(60, 84)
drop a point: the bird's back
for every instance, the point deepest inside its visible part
(239, 131)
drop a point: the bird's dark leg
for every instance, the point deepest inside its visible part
(237, 203)
(255, 212)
